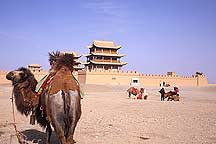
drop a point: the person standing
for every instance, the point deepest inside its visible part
(162, 92)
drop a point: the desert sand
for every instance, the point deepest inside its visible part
(109, 117)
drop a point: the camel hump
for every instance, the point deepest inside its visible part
(63, 80)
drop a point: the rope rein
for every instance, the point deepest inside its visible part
(19, 135)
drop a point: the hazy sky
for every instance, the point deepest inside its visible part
(156, 35)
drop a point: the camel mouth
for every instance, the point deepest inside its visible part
(10, 76)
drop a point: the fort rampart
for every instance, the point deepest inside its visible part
(125, 78)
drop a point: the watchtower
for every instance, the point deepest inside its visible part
(104, 55)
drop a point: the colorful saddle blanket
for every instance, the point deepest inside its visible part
(47, 79)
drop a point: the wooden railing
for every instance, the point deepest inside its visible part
(100, 60)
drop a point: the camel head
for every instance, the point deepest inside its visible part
(24, 84)
(20, 75)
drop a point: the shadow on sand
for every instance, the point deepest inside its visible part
(38, 137)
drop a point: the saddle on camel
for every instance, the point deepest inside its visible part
(56, 100)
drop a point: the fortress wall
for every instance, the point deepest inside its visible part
(106, 77)
(181, 81)
(152, 80)
(187, 81)
(202, 81)
(124, 78)
(82, 77)
(155, 80)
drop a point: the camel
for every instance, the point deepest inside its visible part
(139, 94)
(58, 103)
(132, 90)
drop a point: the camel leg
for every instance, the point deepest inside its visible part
(48, 133)
(170, 98)
(74, 114)
(32, 117)
(62, 140)
(55, 107)
(70, 140)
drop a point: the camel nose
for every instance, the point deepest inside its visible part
(9, 76)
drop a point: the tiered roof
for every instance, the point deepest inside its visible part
(104, 44)
(107, 63)
(97, 50)
(104, 54)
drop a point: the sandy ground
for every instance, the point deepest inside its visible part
(109, 117)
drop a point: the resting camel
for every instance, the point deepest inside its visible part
(139, 94)
(132, 90)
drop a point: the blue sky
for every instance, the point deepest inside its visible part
(156, 35)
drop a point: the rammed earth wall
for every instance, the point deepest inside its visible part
(124, 78)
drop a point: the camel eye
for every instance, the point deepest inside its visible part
(21, 74)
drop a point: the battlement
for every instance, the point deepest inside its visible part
(120, 72)
(125, 78)
(108, 72)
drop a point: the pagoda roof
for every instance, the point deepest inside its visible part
(104, 54)
(106, 63)
(34, 65)
(104, 44)
(73, 53)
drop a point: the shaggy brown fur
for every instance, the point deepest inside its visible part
(64, 88)
(26, 98)
(63, 75)
(58, 60)
(24, 83)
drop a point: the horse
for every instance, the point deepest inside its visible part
(58, 104)
(171, 95)
(132, 90)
